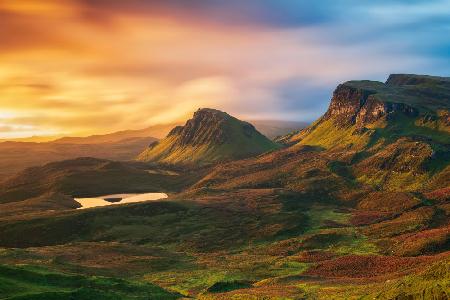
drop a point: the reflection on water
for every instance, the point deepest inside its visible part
(114, 199)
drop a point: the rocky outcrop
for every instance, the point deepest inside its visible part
(210, 136)
(374, 109)
(207, 126)
(346, 103)
(353, 105)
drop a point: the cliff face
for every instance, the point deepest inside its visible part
(407, 104)
(210, 136)
(346, 103)
(365, 102)
(360, 106)
(208, 126)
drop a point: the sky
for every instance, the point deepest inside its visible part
(80, 67)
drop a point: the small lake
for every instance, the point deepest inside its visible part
(116, 199)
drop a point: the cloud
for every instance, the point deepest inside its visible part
(97, 66)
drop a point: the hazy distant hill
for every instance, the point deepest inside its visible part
(210, 136)
(16, 156)
(121, 145)
(156, 131)
(276, 128)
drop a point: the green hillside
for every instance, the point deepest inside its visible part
(33, 283)
(357, 207)
(211, 136)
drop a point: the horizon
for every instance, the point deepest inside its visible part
(80, 68)
(51, 138)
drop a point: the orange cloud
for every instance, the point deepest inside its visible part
(81, 68)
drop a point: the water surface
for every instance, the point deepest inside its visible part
(115, 199)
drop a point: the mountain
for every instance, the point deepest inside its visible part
(121, 145)
(156, 131)
(211, 136)
(392, 136)
(357, 207)
(276, 128)
(31, 139)
(405, 105)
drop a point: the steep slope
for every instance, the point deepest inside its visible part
(406, 105)
(211, 136)
(392, 136)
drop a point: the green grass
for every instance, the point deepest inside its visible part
(237, 144)
(33, 283)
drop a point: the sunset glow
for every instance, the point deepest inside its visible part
(84, 67)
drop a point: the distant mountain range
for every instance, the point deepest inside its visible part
(156, 131)
(276, 128)
(121, 145)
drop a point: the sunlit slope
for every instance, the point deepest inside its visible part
(414, 106)
(391, 136)
(211, 136)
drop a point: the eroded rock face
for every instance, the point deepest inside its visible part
(346, 103)
(374, 109)
(208, 126)
(355, 106)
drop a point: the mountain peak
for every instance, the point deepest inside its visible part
(406, 104)
(364, 102)
(210, 126)
(209, 136)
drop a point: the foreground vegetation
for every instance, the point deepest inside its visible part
(357, 207)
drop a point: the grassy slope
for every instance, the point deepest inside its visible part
(247, 242)
(32, 283)
(401, 152)
(239, 145)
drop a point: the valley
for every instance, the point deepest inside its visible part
(354, 206)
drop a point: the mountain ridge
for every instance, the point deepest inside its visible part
(405, 101)
(211, 136)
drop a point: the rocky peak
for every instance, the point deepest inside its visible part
(211, 136)
(209, 126)
(364, 102)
